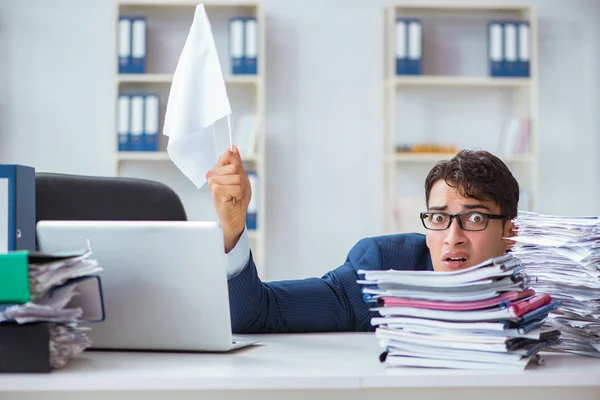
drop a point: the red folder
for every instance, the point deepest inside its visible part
(522, 307)
(505, 297)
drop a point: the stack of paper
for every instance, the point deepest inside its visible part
(484, 317)
(65, 291)
(564, 253)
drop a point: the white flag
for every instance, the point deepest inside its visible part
(198, 99)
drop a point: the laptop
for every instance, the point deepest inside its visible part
(164, 282)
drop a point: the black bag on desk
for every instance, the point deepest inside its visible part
(25, 347)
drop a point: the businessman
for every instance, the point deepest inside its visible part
(469, 199)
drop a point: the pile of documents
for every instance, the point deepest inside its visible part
(481, 317)
(564, 253)
(60, 292)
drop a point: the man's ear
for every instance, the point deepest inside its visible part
(510, 230)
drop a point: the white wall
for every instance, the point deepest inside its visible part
(324, 111)
(55, 85)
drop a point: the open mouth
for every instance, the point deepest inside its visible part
(456, 259)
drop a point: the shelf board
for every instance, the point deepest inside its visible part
(186, 3)
(161, 156)
(517, 158)
(143, 156)
(473, 81)
(454, 6)
(145, 78)
(243, 79)
(435, 157)
(167, 78)
(253, 159)
(422, 157)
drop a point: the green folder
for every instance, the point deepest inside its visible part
(14, 277)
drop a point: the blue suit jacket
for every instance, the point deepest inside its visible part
(333, 303)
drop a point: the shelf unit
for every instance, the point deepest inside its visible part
(451, 33)
(168, 23)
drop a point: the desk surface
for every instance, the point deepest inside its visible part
(315, 361)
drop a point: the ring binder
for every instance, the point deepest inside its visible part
(25, 347)
(46, 328)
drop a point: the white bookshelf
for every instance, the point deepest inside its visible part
(446, 104)
(168, 23)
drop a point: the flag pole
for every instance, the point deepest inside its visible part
(230, 144)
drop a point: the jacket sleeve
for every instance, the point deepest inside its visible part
(332, 303)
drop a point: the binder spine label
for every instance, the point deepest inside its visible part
(137, 123)
(510, 44)
(124, 124)
(400, 47)
(251, 46)
(151, 111)
(496, 55)
(236, 45)
(524, 55)
(138, 46)
(124, 45)
(415, 47)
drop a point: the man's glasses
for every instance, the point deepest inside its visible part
(468, 221)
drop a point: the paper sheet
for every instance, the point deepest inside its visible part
(198, 98)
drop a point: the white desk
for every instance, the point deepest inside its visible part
(338, 366)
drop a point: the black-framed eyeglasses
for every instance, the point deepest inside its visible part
(468, 221)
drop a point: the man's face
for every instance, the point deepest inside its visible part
(454, 248)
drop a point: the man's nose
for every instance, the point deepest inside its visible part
(454, 234)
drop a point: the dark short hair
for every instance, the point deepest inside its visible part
(480, 175)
